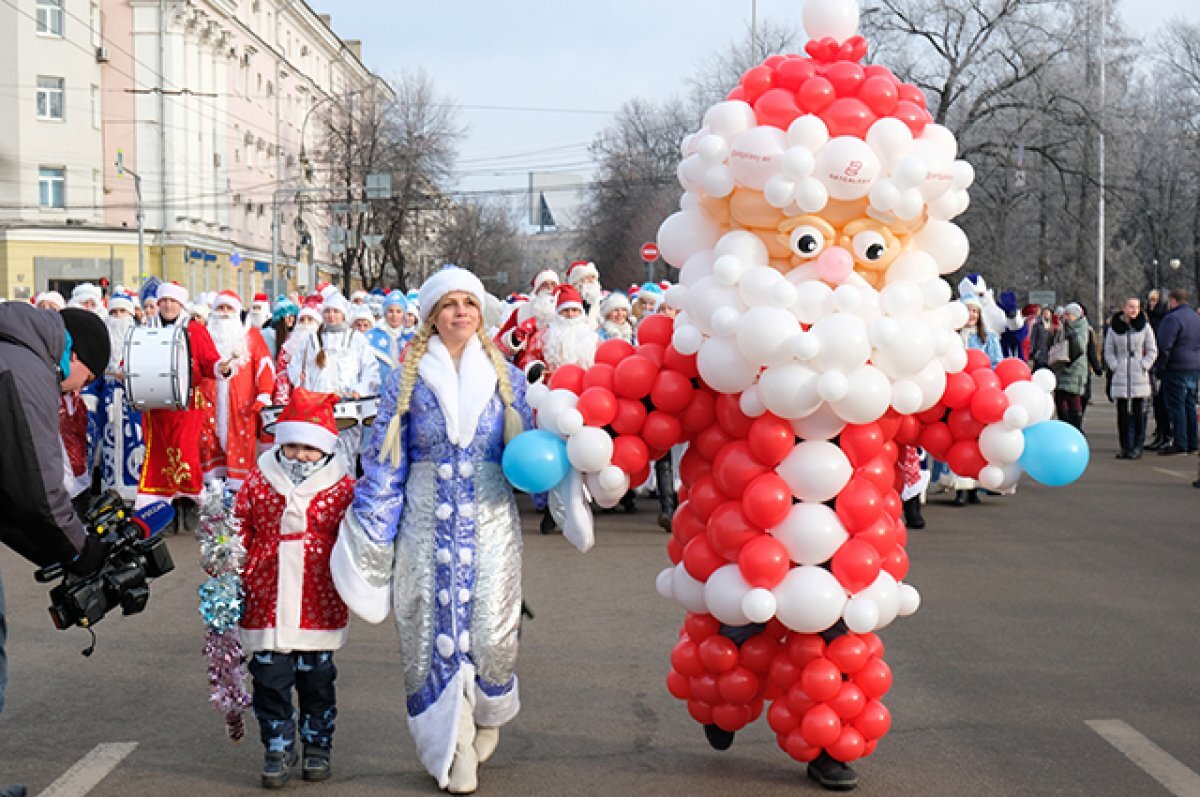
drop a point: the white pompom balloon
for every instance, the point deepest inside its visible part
(861, 615)
(811, 533)
(789, 391)
(815, 470)
(535, 393)
(759, 605)
(910, 600)
(663, 582)
(1045, 379)
(835, 19)
(821, 424)
(809, 599)
(570, 421)
(590, 449)
(723, 594)
(750, 402)
(688, 592)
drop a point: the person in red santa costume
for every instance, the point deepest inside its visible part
(584, 277)
(260, 311)
(171, 469)
(289, 511)
(570, 339)
(245, 382)
(520, 338)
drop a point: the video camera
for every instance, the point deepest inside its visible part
(135, 554)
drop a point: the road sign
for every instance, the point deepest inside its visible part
(649, 252)
(379, 186)
(235, 259)
(1044, 298)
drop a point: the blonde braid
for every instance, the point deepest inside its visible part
(321, 358)
(408, 379)
(513, 425)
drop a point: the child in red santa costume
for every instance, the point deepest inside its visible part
(290, 509)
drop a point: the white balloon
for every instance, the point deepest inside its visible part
(727, 119)
(1016, 417)
(754, 154)
(783, 294)
(723, 367)
(910, 600)
(902, 297)
(811, 533)
(1001, 445)
(991, 477)
(956, 314)
(797, 162)
(663, 582)
(570, 421)
(686, 339)
(814, 300)
(1045, 379)
(718, 181)
(811, 196)
(954, 360)
(940, 172)
(847, 167)
(712, 149)
(759, 605)
(844, 342)
(846, 298)
(685, 233)
(932, 381)
(696, 268)
(861, 615)
(691, 172)
(909, 172)
(868, 397)
(757, 283)
(804, 345)
(723, 594)
(936, 292)
(891, 139)
(884, 195)
(808, 131)
(613, 478)
(750, 402)
(906, 397)
(809, 599)
(688, 592)
(676, 296)
(728, 269)
(725, 321)
(706, 297)
(815, 470)
(833, 386)
(941, 139)
(779, 191)
(915, 348)
(885, 594)
(590, 449)
(535, 393)
(884, 333)
(1026, 396)
(821, 424)
(555, 402)
(913, 266)
(744, 245)
(945, 242)
(789, 391)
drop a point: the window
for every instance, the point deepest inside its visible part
(50, 17)
(52, 187)
(50, 98)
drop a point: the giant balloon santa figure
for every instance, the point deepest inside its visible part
(815, 336)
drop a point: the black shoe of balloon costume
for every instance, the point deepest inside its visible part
(960, 497)
(718, 737)
(973, 497)
(912, 513)
(832, 774)
(548, 526)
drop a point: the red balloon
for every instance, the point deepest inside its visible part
(846, 76)
(874, 644)
(959, 389)
(763, 562)
(821, 679)
(963, 425)
(567, 377)
(652, 352)
(700, 560)
(910, 93)
(896, 563)
(634, 376)
(798, 700)
(861, 442)
(705, 496)
(691, 467)
(988, 405)
(730, 416)
(848, 116)
(771, 439)
(640, 478)
(815, 95)
(936, 439)
(738, 686)
(710, 442)
(756, 80)
(734, 467)
(985, 378)
(792, 72)
(784, 672)
(909, 431)
(976, 359)
(630, 417)
(874, 721)
(879, 471)
(599, 375)
(718, 654)
(685, 525)
(656, 329)
(731, 718)
(597, 405)
(674, 551)
(858, 505)
(965, 459)
(932, 415)
(684, 364)
(672, 392)
(685, 658)
(1012, 369)
(661, 431)
(881, 535)
(880, 94)
(781, 719)
(701, 413)
(856, 565)
(875, 678)
(700, 627)
(821, 726)
(914, 116)
(701, 712)
(704, 688)
(849, 701)
(767, 501)
(803, 648)
(613, 351)
(849, 652)
(795, 745)
(872, 70)
(679, 685)
(728, 530)
(758, 652)
(848, 747)
(889, 424)
(630, 454)
(777, 108)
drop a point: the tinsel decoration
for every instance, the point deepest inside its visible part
(221, 602)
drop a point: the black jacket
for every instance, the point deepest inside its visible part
(36, 517)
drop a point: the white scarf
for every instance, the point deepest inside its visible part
(463, 392)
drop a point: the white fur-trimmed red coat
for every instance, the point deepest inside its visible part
(289, 531)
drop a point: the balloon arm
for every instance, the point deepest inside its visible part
(569, 505)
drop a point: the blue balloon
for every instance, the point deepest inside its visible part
(1056, 453)
(535, 461)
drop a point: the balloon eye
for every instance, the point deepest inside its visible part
(869, 246)
(807, 242)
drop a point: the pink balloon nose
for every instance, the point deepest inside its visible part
(834, 265)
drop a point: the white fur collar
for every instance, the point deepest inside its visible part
(461, 392)
(323, 479)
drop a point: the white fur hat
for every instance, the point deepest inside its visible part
(86, 291)
(614, 301)
(54, 297)
(544, 276)
(308, 311)
(228, 298)
(448, 280)
(580, 269)
(358, 311)
(120, 301)
(172, 290)
(335, 301)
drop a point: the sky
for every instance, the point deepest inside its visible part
(536, 80)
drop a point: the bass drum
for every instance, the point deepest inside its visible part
(158, 368)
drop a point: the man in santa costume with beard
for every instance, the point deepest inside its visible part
(583, 276)
(171, 469)
(570, 338)
(520, 337)
(260, 311)
(119, 426)
(245, 382)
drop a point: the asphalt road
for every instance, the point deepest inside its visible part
(1041, 612)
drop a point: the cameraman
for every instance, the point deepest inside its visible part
(42, 355)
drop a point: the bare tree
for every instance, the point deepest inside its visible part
(721, 71)
(485, 238)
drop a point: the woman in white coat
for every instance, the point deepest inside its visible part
(1129, 352)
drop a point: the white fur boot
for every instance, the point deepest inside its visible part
(486, 740)
(464, 768)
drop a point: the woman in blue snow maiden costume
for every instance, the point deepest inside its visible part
(434, 534)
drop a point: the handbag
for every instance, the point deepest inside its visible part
(1060, 352)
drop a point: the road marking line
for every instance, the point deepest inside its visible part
(1155, 761)
(1171, 472)
(90, 770)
